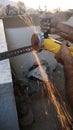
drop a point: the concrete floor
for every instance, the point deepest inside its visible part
(44, 113)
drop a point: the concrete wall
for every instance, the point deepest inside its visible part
(8, 114)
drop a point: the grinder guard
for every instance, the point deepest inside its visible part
(37, 41)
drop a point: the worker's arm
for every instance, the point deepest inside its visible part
(66, 31)
(64, 57)
(55, 27)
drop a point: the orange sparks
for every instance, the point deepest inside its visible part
(62, 112)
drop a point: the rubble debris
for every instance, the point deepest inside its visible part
(34, 71)
(35, 78)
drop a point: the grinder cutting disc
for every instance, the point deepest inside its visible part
(37, 41)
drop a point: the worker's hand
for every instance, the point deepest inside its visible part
(63, 52)
(48, 23)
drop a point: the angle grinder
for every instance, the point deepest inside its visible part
(37, 41)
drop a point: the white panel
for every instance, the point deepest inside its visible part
(5, 71)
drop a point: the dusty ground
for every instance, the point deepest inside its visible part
(44, 112)
(42, 115)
